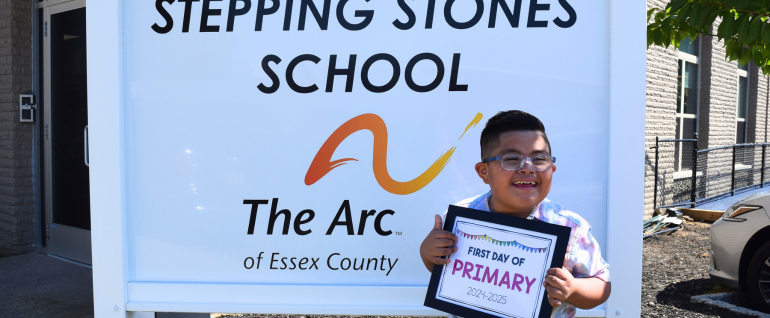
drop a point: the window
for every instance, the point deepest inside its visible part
(743, 104)
(688, 83)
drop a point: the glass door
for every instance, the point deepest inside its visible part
(66, 124)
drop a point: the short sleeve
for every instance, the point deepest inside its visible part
(585, 257)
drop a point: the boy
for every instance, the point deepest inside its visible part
(518, 167)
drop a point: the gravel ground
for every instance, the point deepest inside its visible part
(673, 269)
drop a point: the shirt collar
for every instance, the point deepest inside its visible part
(535, 214)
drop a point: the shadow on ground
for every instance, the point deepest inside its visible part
(33, 285)
(678, 295)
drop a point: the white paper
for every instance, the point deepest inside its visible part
(497, 269)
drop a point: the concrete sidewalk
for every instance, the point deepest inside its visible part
(35, 285)
(724, 203)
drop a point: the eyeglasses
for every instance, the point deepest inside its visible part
(516, 162)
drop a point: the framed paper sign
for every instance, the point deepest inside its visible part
(499, 267)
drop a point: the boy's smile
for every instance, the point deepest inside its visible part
(517, 192)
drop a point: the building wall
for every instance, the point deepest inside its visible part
(704, 102)
(662, 72)
(17, 220)
(717, 112)
(717, 108)
(758, 103)
(755, 122)
(722, 99)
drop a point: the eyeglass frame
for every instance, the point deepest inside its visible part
(523, 162)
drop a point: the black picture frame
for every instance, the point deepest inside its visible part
(562, 234)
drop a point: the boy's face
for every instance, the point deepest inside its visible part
(508, 195)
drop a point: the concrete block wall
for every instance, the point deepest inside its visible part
(17, 234)
(662, 72)
(717, 108)
(758, 106)
(722, 100)
(756, 119)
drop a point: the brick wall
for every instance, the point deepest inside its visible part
(17, 233)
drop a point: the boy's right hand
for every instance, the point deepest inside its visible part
(438, 243)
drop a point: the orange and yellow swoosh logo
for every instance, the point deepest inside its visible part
(322, 163)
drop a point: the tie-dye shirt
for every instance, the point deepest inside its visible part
(584, 257)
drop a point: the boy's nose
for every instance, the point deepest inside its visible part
(526, 169)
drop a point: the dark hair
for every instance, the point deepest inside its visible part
(503, 122)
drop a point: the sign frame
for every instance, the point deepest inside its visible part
(116, 296)
(562, 234)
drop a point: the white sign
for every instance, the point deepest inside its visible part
(289, 156)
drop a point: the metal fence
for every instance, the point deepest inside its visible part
(685, 175)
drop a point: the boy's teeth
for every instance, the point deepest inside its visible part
(524, 182)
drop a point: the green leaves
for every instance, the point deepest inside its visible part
(726, 28)
(650, 13)
(683, 13)
(766, 37)
(675, 5)
(755, 29)
(754, 6)
(744, 29)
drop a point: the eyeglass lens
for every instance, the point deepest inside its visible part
(514, 162)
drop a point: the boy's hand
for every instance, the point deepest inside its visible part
(559, 283)
(438, 243)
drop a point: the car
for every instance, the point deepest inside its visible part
(740, 249)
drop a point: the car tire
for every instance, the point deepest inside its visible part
(759, 278)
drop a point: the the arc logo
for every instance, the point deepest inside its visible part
(322, 163)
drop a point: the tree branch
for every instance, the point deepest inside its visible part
(732, 8)
(704, 33)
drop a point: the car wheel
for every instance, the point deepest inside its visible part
(759, 278)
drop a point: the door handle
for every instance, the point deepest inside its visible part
(85, 141)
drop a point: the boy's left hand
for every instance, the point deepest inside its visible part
(559, 283)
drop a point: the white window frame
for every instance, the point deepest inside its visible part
(680, 115)
(686, 57)
(738, 74)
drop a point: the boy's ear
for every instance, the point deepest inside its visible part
(481, 170)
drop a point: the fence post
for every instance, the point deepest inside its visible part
(732, 174)
(655, 185)
(694, 172)
(762, 173)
